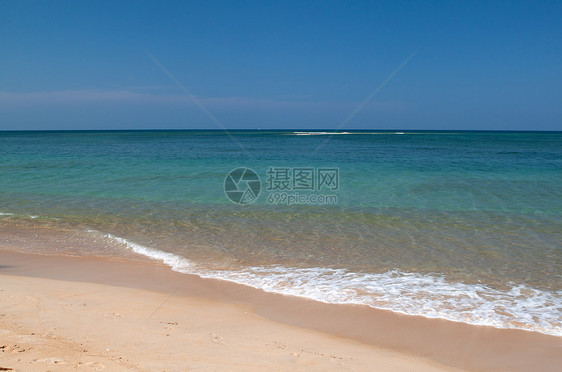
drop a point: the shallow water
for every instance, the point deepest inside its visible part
(459, 225)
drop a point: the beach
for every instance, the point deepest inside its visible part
(68, 313)
(173, 250)
(281, 186)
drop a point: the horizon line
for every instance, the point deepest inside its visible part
(332, 130)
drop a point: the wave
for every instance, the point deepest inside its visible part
(431, 296)
(318, 133)
(31, 216)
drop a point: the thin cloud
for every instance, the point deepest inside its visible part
(73, 96)
(69, 97)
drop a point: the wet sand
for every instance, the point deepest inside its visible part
(69, 313)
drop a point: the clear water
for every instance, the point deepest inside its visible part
(464, 226)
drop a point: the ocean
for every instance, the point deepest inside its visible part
(459, 225)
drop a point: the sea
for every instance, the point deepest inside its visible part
(458, 225)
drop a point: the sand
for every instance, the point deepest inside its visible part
(69, 313)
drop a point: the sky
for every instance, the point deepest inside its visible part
(444, 65)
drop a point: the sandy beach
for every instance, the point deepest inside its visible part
(69, 313)
(281, 186)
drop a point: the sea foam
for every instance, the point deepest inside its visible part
(432, 296)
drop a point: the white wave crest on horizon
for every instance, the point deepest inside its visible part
(431, 296)
(318, 133)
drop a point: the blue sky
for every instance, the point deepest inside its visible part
(283, 64)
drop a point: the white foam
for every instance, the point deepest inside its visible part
(431, 296)
(177, 263)
(32, 216)
(318, 133)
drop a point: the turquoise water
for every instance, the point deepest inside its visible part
(459, 225)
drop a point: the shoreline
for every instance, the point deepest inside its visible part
(429, 294)
(433, 343)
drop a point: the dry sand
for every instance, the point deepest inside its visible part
(67, 313)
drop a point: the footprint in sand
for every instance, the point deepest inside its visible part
(94, 365)
(5, 348)
(114, 315)
(52, 360)
(278, 345)
(216, 339)
(13, 348)
(169, 324)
